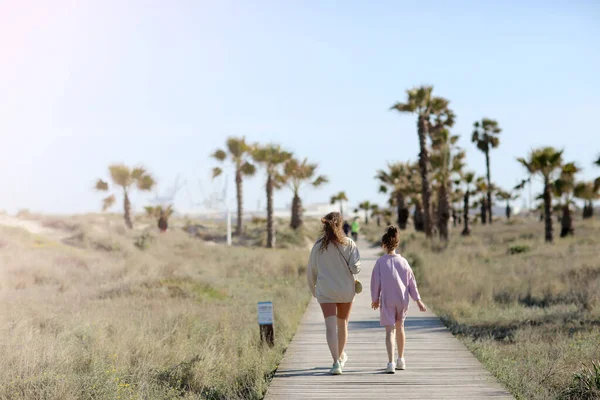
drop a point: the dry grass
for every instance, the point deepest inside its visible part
(94, 316)
(529, 310)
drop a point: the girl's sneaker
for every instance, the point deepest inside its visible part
(336, 369)
(343, 359)
(391, 368)
(401, 364)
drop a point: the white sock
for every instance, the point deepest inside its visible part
(332, 338)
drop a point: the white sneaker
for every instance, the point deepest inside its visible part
(401, 364)
(343, 359)
(336, 369)
(391, 368)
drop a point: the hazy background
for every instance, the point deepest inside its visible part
(84, 84)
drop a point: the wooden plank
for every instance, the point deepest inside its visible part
(438, 365)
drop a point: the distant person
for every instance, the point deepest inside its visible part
(346, 228)
(333, 262)
(392, 282)
(355, 229)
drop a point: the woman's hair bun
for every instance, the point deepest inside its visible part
(392, 230)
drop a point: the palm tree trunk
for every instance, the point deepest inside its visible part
(240, 201)
(489, 187)
(548, 210)
(296, 212)
(423, 130)
(367, 216)
(484, 209)
(467, 228)
(508, 210)
(341, 208)
(402, 210)
(418, 217)
(270, 230)
(588, 209)
(454, 216)
(443, 212)
(566, 221)
(127, 209)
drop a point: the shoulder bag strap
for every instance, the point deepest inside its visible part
(344, 258)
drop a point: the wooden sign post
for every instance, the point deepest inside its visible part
(265, 322)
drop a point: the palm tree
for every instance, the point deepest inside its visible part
(485, 136)
(399, 178)
(563, 189)
(588, 192)
(468, 179)
(545, 161)
(365, 206)
(125, 178)
(272, 158)
(239, 153)
(340, 197)
(507, 197)
(433, 114)
(297, 174)
(447, 163)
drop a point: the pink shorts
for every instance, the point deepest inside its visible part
(390, 314)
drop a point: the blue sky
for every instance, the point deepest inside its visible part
(162, 84)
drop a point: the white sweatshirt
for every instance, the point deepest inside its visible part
(328, 276)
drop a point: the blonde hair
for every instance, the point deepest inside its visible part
(331, 230)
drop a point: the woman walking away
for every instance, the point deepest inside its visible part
(333, 262)
(392, 283)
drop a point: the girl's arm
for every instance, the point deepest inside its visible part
(375, 284)
(412, 286)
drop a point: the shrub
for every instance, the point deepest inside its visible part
(518, 249)
(144, 241)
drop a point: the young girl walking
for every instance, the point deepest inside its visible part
(392, 282)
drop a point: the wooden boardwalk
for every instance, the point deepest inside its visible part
(438, 365)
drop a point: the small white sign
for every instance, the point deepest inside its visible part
(265, 313)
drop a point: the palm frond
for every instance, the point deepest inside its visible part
(137, 173)
(216, 171)
(101, 185)
(146, 182)
(219, 155)
(238, 147)
(120, 175)
(248, 169)
(320, 181)
(108, 202)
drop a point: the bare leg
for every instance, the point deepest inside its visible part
(390, 333)
(329, 311)
(343, 315)
(400, 338)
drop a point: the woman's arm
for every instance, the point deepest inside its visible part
(354, 261)
(311, 273)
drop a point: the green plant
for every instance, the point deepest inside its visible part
(518, 249)
(585, 385)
